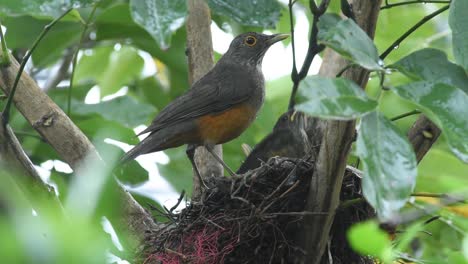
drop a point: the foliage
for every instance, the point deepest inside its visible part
(137, 48)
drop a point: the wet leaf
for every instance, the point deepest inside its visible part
(124, 110)
(50, 8)
(257, 13)
(160, 18)
(446, 106)
(337, 98)
(351, 42)
(125, 65)
(389, 164)
(432, 65)
(458, 21)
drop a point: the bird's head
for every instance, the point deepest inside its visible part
(250, 47)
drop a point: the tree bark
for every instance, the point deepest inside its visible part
(69, 142)
(327, 179)
(200, 58)
(12, 157)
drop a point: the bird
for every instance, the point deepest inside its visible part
(218, 107)
(288, 139)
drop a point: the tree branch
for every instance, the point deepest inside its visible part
(200, 58)
(324, 192)
(69, 142)
(313, 49)
(411, 30)
(12, 157)
(388, 6)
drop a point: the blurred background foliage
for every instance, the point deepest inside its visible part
(132, 62)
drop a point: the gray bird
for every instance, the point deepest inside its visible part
(218, 107)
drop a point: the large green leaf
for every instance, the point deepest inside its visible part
(49, 8)
(446, 106)
(389, 164)
(125, 65)
(337, 98)
(351, 42)
(368, 239)
(23, 30)
(110, 68)
(458, 21)
(257, 13)
(432, 65)
(124, 110)
(161, 18)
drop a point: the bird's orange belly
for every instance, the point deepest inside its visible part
(227, 125)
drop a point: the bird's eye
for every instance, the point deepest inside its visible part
(250, 41)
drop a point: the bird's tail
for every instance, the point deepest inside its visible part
(147, 145)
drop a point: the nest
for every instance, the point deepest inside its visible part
(250, 219)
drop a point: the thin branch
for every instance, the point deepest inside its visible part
(61, 73)
(411, 30)
(5, 58)
(440, 196)
(75, 57)
(398, 117)
(413, 215)
(388, 6)
(313, 49)
(6, 110)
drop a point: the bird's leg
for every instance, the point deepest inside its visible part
(210, 149)
(191, 154)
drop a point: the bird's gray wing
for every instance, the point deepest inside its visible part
(208, 96)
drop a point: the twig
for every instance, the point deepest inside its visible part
(430, 211)
(398, 117)
(388, 6)
(61, 72)
(413, 215)
(411, 30)
(348, 66)
(440, 196)
(75, 57)
(5, 57)
(181, 197)
(313, 49)
(6, 110)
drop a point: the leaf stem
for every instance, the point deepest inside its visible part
(6, 109)
(388, 6)
(5, 57)
(398, 117)
(411, 30)
(75, 56)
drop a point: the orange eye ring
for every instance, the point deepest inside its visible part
(250, 41)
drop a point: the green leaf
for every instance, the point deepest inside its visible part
(257, 13)
(446, 106)
(124, 110)
(93, 63)
(389, 164)
(160, 18)
(465, 247)
(336, 98)
(458, 21)
(22, 31)
(47, 8)
(368, 239)
(351, 42)
(124, 66)
(131, 173)
(432, 65)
